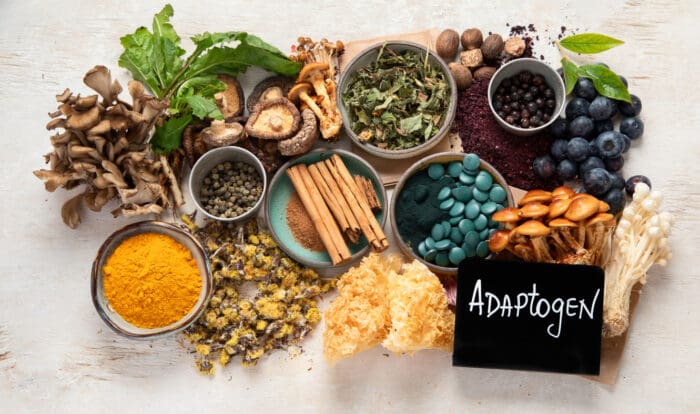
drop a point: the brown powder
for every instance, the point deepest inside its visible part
(301, 225)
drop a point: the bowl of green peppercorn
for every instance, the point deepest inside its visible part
(442, 206)
(228, 184)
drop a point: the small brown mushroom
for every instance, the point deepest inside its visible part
(582, 207)
(533, 210)
(300, 93)
(499, 241)
(268, 89)
(562, 192)
(537, 232)
(508, 216)
(84, 120)
(278, 119)
(230, 101)
(535, 195)
(303, 140)
(557, 207)
(221, 134)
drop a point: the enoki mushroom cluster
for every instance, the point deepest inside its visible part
(559, 227)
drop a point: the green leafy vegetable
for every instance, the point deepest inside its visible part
(589, 43)
(398, 101)
(156, 59)
(570, 74)
(606, 82)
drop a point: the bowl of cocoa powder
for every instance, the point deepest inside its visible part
(291, 224)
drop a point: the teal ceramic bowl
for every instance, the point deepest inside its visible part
(281, 190)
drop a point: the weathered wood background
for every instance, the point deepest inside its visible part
(56, 355)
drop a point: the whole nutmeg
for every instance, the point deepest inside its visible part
(514, 46)
(447, 44)
(461, 74)
(471, 58)
(485, 72)
(471, 39)
(492, 46)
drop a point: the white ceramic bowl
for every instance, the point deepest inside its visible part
(535, 66)
(112, 318)
(369, 55)
(211, 159)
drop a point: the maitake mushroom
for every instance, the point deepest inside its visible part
(104, 146)
(559, 226)
(640, 241)
(321, 66)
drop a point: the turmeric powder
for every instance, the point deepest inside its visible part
(151, 280)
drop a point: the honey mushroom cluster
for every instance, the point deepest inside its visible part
(104, 146)
(557, 227)
(316, 86)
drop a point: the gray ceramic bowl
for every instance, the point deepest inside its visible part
(211, 159)
(281, 189)
(112, 318)
(367, 56)
(535, 66)
(424, 163)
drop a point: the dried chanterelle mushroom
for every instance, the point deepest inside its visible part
(104, 146)
(558, 226)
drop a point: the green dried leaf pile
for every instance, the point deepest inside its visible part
(398, 101)
(156, 59)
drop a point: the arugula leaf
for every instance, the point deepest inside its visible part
(570, 74)
(136, 58)
(168, 136)
(162, 27)
(606, 82)
(206, 40)
(204, 107)
(589, 43)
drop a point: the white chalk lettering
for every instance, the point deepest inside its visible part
(558, 308)
(589, 311)
(506, 306)
(476, 294)
(493, 304)
(571, 304)
(520, 304)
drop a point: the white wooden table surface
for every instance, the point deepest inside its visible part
(57, 356)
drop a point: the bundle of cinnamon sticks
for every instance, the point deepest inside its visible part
(339, 205)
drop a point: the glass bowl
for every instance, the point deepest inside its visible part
(111, 317)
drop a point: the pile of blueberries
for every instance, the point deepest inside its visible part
(587, 145)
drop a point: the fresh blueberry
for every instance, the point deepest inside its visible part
(544, 166)
(581, 126)
(593, 149)
(602, 108)
(623, 80)
(566, 169)
(589, 164)
(614, 164)
(610, 144)
(597, 181)
(577, 150)
(615, 199)
(602, 126)
(558, 149)
(630, 109)
(618, 181)
(584, 89)
(632, 127)
(576, 107)
(628, 143)
(632, 182)
(559, 128)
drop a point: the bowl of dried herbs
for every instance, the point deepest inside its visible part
(397, 98)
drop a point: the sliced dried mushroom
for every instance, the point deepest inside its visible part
(230, 101)
(221, 133)
(303, 140)
(277, 119)
(268, 89)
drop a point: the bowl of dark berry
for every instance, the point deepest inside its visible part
(228, 184)
(526, 96)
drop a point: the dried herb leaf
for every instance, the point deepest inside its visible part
(606, 82)
(589, 43)
(570, 74)
(397, 101)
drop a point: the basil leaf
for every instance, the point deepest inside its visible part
(168, 136)
(570, 74)
(589, 43)
(204, 107)
(606, 82)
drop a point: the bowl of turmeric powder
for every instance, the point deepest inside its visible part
(150, 279)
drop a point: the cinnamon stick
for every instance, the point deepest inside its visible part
(366, 188)
(326, 215)
(314, 214)
(338, 194)
(332, 201)
(345, 175)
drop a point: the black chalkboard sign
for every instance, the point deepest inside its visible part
(529, 316)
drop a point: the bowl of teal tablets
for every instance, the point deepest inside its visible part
(442, 207)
